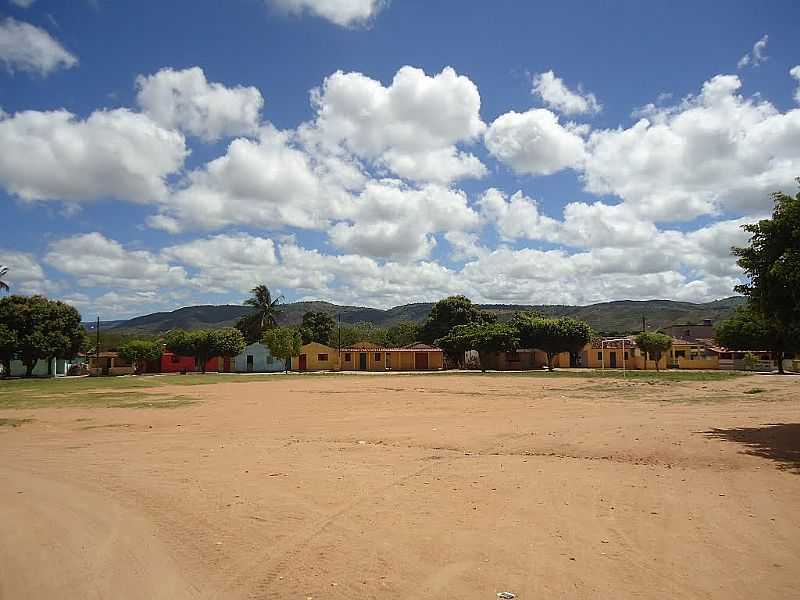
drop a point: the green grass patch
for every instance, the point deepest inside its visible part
(130, 391)
(14, 422)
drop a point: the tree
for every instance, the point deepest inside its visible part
(750, 361)
(402, 334)
(8, 345)
(317, 327)
(43, 329)
(551, 336)
(772, 264)
(263, 317)
(190, 343)
(748, 329)
(284, 343)
(653, 344)
(449, 313)
(486, 338)
(140, 351)
(352, 334)
(227, 342)
(3, 273)
(203, 344)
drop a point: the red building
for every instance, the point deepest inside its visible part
(175, 363)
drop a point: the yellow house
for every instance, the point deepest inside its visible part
(618, 354)
(109, 363)
(523, 359)
(685, 354)
(365, 356)
(316, 357)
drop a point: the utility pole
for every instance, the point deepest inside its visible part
(339, 340)
(97, 345)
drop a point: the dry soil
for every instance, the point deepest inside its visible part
(399, 487)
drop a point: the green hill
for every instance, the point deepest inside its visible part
(606, 317)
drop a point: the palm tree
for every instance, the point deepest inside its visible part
(3, 284)
(267, 311)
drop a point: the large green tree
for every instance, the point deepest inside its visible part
(653, 344)
(284, 343)
(402, 334)
(265, 313)
(772, 263)
(44, 329)
(486, 338)
(317, 327)
(204, 344)
(228, 342)
(748, 329)
(449, 313)
(352, 333)
(138, 352)
(551, 336)
(8, 346)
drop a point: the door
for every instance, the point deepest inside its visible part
(106, 366)
(362, 361)
(303, 362)
(226, 365)
(421, 361)
(249, 363)
(613, 357)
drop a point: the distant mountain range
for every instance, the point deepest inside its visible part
(619, 316)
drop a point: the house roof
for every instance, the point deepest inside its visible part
(412, 348)
(615, 344)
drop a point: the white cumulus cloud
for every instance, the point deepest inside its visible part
(795, 73)
(185, 100)
(117, 153)
(534, 142)
(346, 13)
(410, 127)
(713, 152)
(25, 47)
(757, 56)
(555, 94)
(266, 182)
(95, 260)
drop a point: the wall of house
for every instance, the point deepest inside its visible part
(312, 352)
(43, 368)
(263, 361)
(594, 361)
(175, 363)
(406, 360)
(710, 362)
(116, 366)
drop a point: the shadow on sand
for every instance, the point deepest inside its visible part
(778, 441)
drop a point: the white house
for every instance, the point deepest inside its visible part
(256, 358)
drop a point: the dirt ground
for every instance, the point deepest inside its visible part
(399, 487)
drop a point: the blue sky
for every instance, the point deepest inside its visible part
(156, 155)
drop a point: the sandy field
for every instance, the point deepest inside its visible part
(400, 487)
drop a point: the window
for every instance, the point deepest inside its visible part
(175, 358)
(626, 356)
(269, 359)
(599, 356)
(680, 353)
(347, 357)
(512, 357)
(377, 357)
(322, 357)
